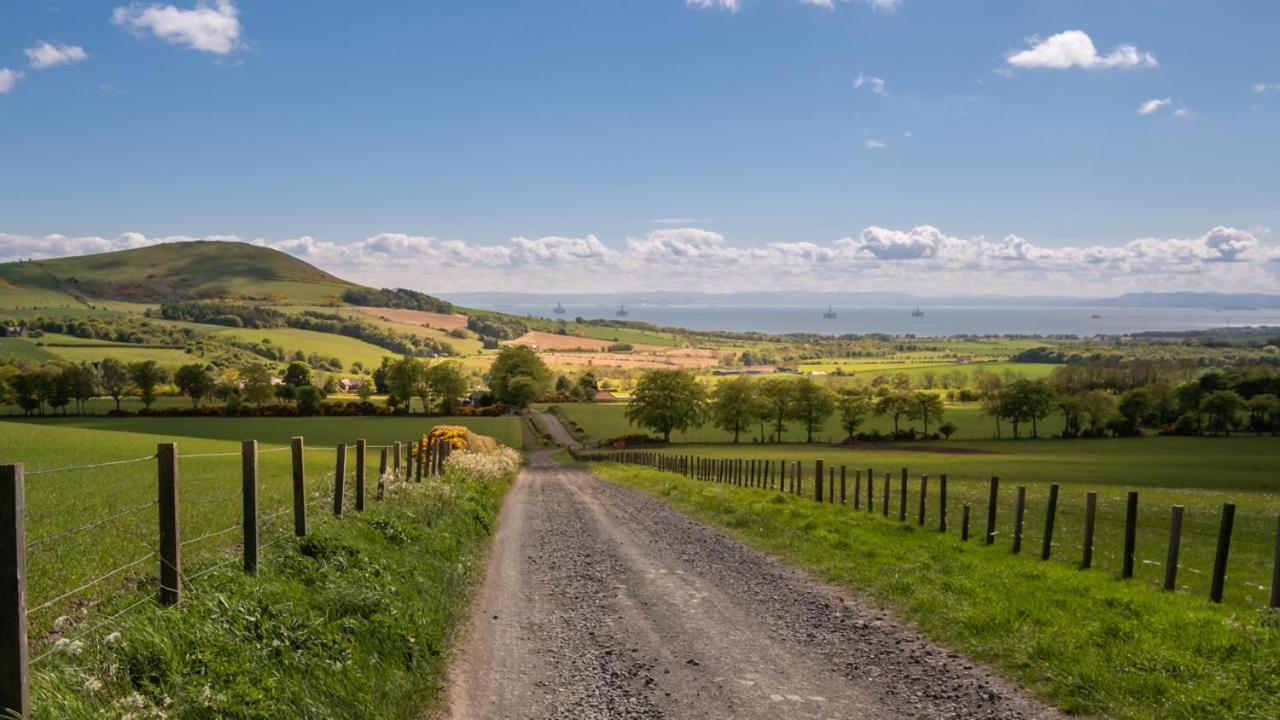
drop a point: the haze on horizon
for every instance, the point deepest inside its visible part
(1061, 148)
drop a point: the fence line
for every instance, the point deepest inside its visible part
(1040, 518)
(15, 662)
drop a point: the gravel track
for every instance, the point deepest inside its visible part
(602, 602)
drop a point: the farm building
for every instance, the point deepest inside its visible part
(16, 331)
(603, 396)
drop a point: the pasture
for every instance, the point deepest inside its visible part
(84, 522)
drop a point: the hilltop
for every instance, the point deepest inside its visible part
(176, 271)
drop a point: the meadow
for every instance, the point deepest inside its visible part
(1199, 474)
(82, 523)
(1089, 643)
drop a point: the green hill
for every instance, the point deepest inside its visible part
(186, 270)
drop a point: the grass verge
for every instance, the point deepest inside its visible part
(1085, 641)
(352, 621)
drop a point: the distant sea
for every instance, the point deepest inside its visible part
(898, 320)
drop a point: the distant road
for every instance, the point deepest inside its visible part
(602, 602)
(557, 430)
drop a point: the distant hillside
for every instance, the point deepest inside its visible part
(184, 271)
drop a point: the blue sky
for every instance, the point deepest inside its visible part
(658, 143)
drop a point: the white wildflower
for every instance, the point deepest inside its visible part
(112, 639)
(92, 685)
(61, 623)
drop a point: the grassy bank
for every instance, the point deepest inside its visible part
(1199, 474)
(351, 621)
(1085, 641)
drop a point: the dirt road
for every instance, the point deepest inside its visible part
(601, 602)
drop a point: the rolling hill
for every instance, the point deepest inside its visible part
(173, 271)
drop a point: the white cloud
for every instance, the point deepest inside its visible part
(730, 5)
(1183, 113)
(1074, 48)
(1153, 105)
(47, 55)
(211, 26)
(1266, 87)
(874, 84)
(872, 144)
(9, 78)
(923, 259)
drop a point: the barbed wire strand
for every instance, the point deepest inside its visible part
(215, 533)
(92, 628)
(90, 526)
(89, 467)
(91, 583)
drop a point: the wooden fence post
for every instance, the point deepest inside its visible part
(1275, 570)
(1130, 535)
(1224, 546)
(842, 485)
(888, 480)
(857, 488)
(339, 479)
(395, 460)
(1020, 509)
(871, 491)
(817, 480)
(299, 488)
(991, 510)
(170, 545)
(249, 494)
(1090, 515)
(419, 460)
(382, 473)
(15, 682)
(831, 484)
(361, 445)
(1175, 543)
(942, 503)
(964, 523)
(924, 490)
(902, 492)
(1050, 513)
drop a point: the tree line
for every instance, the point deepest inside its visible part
(667, 401)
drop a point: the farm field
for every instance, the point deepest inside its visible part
(349, 350)
(608, 420)
(1092, 644)
(60, 502)
(916, 368)
(1200, 474)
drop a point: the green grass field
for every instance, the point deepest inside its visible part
(915, 368)
(359, 614)
(349, 350)
(606, 420)
(1199, 474)
(1090, 643)
(62, 502)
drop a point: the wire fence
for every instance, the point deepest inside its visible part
(221, 527)
(1228, 553)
